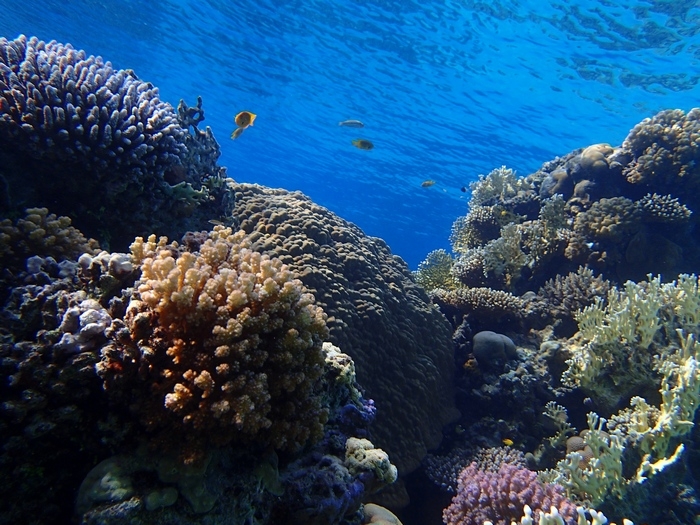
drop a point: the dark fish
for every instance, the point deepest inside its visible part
(362, 144)
(351, 124)
(427, 183)
(463, 189)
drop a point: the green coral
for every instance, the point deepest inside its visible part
(436, 271)
(647, 331)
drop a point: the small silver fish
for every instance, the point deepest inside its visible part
(351, 124)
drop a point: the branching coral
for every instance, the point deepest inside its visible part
(41, 233)
(221, 345)
(500, 184)
(97, 144)
(500, 496)
(614, 219)
(644, 319)
(436, 271)
(61, 104)
(665, 149)
(565, 295)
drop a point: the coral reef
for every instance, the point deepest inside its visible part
(364, 290)
(499, 497)
(664, 150)
(98, 145)
(220, 345)
(40, 233)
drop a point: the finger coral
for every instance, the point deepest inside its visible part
(61, 104)
(220, 345)
(99, 145)
(498, 497)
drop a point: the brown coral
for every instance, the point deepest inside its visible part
(406, 365)
(566, 295)
(663, 208)
(220, 345)
(480, 302)
(615, 219)
(665, 149)
(41, 233)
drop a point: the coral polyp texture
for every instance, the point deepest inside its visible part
(98, 144)
(499, 496)
(219, 345)
(665, 149)
(60, 104)
(406, 365)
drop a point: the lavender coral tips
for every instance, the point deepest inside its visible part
(499, 497)
(59, 104)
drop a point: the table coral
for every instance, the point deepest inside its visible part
(220, 345)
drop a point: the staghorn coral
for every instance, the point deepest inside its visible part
(222, 345)
(499, 497)
(665, 150)
(364, 289)
(97, 144)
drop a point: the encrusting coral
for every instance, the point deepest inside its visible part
(219, 345)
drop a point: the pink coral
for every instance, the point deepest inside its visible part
(499, 496)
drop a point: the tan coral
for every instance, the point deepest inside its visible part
(665, 149)
(614, 219)
(364, 289)
(228, 343)
(44, 234)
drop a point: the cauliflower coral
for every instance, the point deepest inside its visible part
(219, 345)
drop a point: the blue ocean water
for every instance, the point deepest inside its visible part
(447, 90)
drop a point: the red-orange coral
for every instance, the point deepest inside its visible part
(220, 345)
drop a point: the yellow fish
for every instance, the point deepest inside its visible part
(427, 183)
(362, 144)
(507, 442)
(242, 120)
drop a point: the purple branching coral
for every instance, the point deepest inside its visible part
(63, 105)
(98, 145)
(499, 497)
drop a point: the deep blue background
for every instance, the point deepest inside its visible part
(447, 89)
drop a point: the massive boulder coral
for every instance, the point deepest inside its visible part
(219, 345)
(377, 314)
(97, 144)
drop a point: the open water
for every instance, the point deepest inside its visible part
(447, 89)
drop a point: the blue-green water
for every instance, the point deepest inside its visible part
(447, 90)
